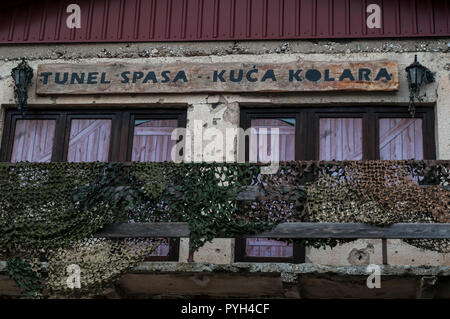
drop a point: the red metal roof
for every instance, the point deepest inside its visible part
(195, 20)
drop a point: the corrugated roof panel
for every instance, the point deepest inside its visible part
(62, 32)
(197, 20)
(307, 18)
(441, 16)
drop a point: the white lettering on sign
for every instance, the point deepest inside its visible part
(74, 19)
(374, 19)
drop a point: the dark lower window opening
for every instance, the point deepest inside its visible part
(296, 256)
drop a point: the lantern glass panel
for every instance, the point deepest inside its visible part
(419, 75)
(412, 74)
(22, 77)
(17, 76)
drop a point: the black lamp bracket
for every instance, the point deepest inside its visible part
(422, 75)
(22, 75)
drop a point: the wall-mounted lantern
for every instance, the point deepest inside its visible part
(417, 75)
(22, 75)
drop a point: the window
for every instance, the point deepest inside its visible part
(338, 133)
(354, 133)
(340, 139)
(33, 141)
(400, 138)
(151, 140)
(89, 140)
(87, 136)
(152, 143)
(286, 131)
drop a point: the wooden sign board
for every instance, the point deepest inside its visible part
(120, 78)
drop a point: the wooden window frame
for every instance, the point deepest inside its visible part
(307, 126)
(247, 115)
(307, 142)
(132, 117)
(428, 132)
(365, 134)
(113, 117)
(122, 125)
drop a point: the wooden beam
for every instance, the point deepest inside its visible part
(358, 230)
(172, 230)
(292, 230)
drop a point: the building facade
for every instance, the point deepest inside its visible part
(339, 106)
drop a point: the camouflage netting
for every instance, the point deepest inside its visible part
(382, 193)
(51, 211)
(373, 192)
(100, 261)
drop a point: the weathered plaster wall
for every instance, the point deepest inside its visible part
(221, 111)
(221, 48)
